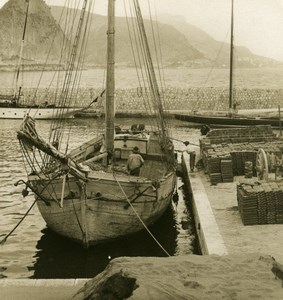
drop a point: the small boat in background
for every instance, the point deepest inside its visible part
(11, 109)
(238, 119)
(232, 117)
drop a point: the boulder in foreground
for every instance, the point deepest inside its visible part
(187, 277)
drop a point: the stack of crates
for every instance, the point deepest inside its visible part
(261, 202)
(226, 170)
(247, 204)
(239, 145)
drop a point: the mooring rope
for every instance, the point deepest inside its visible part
(3, 241)
(25, 215)
(146, 228)
(183, 141)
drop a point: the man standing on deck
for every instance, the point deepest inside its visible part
(135, 162)
(191, 151)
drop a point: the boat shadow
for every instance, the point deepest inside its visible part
(58, 257)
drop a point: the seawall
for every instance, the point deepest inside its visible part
(190, 99)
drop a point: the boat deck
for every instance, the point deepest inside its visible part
(154, 166)
(218, 221)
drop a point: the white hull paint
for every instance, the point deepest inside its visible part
(105, 214)
(36, 113)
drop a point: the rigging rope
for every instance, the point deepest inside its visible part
(152, 97)
(142, 62)
(141, 59)
(150, 70)
(143, 77)
(159, 61)
(46, 60)
(155, 92)
(75, 62)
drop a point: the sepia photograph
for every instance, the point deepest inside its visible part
(141, 152)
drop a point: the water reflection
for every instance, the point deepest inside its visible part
(57, 257)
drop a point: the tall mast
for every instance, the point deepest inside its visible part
(21, 51)
(231, 59)
(110, 84)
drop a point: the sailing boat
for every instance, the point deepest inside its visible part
(13, 106)
(233, 117)
(87, 195)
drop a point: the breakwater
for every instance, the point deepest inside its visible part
(191, 99)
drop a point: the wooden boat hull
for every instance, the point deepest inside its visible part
(227, 121)
(105, 213)
(36, 113)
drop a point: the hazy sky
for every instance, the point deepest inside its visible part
(258, 23)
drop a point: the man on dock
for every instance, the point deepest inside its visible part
(191, 151)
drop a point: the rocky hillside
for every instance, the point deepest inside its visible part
(40, 30)
(182, 44)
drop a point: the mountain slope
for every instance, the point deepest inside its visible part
(40, 30)
(218, 53)
(175, 47)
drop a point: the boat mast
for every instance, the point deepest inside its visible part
(110, 84)
(21, 54)
(231, 60)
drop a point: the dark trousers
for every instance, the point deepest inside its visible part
(135, 172)
(192, 160)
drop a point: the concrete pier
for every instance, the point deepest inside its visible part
(210, 239)
(218, 222)
(39, 289)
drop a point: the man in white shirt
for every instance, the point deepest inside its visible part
(191, 151)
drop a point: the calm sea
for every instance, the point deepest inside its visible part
(181, 77)
(33, 251)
